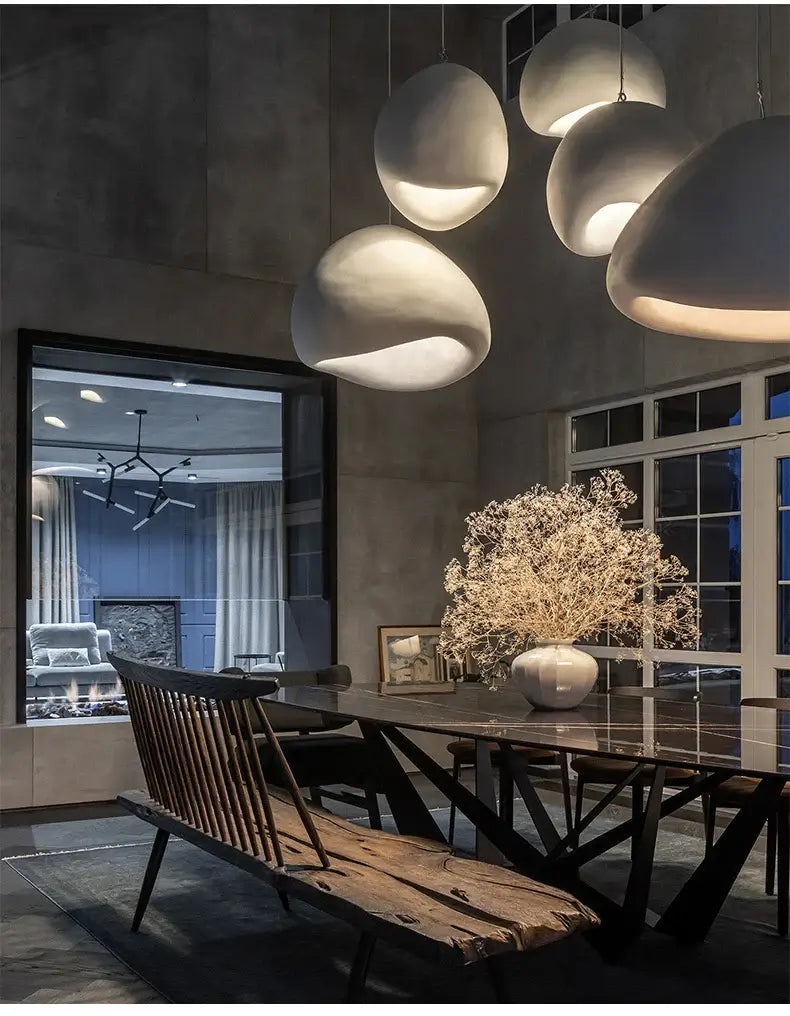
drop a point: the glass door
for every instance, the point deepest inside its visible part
(772, 539)
(772, 497)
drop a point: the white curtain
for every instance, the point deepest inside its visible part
(55, 596)
(249, 570)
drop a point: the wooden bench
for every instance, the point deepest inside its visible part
(205, 785)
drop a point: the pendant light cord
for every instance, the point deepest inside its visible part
(760, 100)
(621, 96)
(389, 85)
(443, 50)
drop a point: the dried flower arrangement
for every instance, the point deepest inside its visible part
(559, 565)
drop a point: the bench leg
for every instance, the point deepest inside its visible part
(151, 871)
(497, 978)
(359, 968)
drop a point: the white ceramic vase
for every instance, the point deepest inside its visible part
(554, 675)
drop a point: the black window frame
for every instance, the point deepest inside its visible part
(29, 339)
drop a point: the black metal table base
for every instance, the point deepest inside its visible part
(689, 916)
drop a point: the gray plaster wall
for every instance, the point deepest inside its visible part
(168, 174)
(558, 343)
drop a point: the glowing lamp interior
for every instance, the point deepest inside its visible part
(411, 366)
(561, 127)
(439, 207)
(738, 325)
(605, 225)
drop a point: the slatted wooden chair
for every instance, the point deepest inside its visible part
(205, 785)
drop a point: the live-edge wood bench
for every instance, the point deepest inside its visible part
(205, 785)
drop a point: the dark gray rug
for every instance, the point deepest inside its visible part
(215, 934)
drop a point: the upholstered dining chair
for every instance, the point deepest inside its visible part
(608, 772)
(734, 793)
(321, 758)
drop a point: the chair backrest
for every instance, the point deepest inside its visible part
(663, 694)
(768, 703)
(199, 756)
(284, 718)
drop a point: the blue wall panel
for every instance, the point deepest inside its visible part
(175, 554)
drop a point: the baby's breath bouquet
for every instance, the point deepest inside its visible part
(560, 567)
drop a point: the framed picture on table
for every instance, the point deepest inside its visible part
(411, 662)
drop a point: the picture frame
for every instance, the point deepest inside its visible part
(411, 662)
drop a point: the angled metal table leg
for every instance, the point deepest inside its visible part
(485, 792)
(546, 829)
(695, 907)
(640, 877)
(412, 816)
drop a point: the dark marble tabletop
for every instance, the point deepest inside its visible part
(699, 735)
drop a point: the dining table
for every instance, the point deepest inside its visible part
(716, 741)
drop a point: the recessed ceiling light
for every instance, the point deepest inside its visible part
(90, 396)
(192, 476)
(129, 412)
(55, 421)
(180, 384)
(101, 471)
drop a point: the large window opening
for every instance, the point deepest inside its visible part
(711, 468)
(178, 512)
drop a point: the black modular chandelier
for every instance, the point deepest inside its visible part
(159, 500)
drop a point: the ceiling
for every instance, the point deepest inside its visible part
(229, 434)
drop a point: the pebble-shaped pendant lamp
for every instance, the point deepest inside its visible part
(708, 253)
(576, 68)
(606, 166)
(441, 146)
(384, 308)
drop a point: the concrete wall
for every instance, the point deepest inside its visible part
(558, 343)
(168, 174)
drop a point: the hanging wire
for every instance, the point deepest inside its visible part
(389, 50)
(621, 96)
(389, 84)
(760, 100)
(443, 50)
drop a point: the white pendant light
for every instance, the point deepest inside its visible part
(384, 308)
(708, 253)
(606, 166)
(575, 69)
(441, 146)
(440, 143)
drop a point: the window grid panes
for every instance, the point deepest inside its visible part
(698, 518)
(692, 412)
(717, 491)
(525, 29)
(633, 516)
(777, 396)
(607, 428)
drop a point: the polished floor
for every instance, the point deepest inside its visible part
(45, 956)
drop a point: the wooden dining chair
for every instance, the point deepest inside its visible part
(610, 772)
(734, 793)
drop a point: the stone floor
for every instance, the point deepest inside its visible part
(44, 955)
